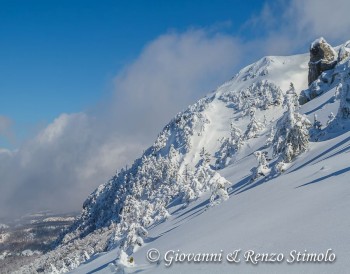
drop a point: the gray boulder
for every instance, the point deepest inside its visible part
(322, 57)
(344, 52)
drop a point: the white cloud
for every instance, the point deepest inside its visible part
(59, 167)
(289, 26)
(321, 18)
(172, 72)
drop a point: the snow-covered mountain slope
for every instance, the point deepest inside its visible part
(306, 208)
(200, 188)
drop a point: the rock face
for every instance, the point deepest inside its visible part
(326, 68)
(344, 52)
(322, 57)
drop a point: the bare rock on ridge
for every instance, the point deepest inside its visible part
(322, 57)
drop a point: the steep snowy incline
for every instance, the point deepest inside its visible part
(279, 70)
(278, 217)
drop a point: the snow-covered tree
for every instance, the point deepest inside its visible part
(160, 141)
(161, 213)
(203, 175)
(123, 261)
(289, 153)
(265, 121)
(280, 167)
(331, 118)
(219, 189)
(317, 124)
(205, 155)
(261, 94)
(344, 93)
(187, 174)
(316, 129)
(254, 127)
(188, 188)
(292, 133)
(236, 136)
(262, 169)
(54, 270)
(293, 95)
(270, 137)
(229, 146)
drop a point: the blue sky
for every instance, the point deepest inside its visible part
(62, 56)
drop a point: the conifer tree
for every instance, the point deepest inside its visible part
(229, 146)
(262, 169)
(317, 124)
(270, 136)
(292, 134)
(254, 127)
(344, 94)
(219, 189)
(331, 118)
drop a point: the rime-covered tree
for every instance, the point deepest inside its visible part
(270, 137)
(254, 127)
(194, 183)
(344, 94)
(229, 146)
(293, 95)
(317, 124)
(122, 262)
(134, 236)
(219, 189)
(203, 175)
(261, 94)
(265, 121)
(205, 155)
(262, 169)
(188, 187)
(187, 174)
(236, 136)
(292, 133)
(331, 118)
(160, 141)
(316, 129)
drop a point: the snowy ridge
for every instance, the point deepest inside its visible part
(250, 131)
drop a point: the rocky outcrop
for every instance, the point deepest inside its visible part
(344, 52)
(322, 57)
